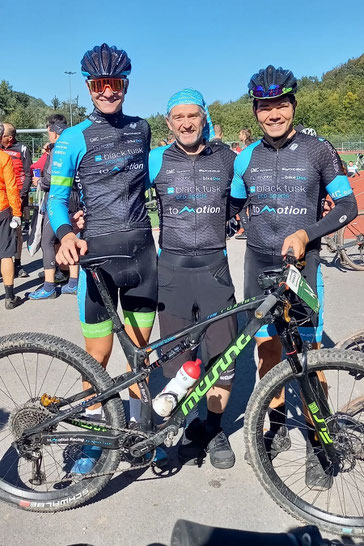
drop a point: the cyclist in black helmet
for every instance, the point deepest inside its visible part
(285, 177)
(107, 155)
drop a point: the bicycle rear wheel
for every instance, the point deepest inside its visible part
(354, 342)
(352, 236)
(31, 365)
(340, 507)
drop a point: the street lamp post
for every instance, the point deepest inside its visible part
(69, 79)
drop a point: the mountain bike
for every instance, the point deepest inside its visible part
(348, 243)
(44, 426)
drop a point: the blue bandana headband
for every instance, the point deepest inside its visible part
(192, 96)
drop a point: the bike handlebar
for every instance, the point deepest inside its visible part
(266, 306)
(188, 533)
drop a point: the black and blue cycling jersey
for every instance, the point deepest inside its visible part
(193, 197)
(108, 157)
(286, 188)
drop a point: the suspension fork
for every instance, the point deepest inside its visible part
(313, 393)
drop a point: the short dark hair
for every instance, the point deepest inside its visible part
(56, 118)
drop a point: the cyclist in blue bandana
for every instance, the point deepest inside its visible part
(192, 180)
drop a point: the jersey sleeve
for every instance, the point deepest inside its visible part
(155, 162)
(12, 190)
(68, 152)
(238, 187)
(338, 188)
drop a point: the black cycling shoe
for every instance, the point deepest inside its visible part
(275, 443)
(191, 451)
(219, 449)
(12, 303)
(318, 476)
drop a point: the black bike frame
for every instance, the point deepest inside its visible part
(192, 336)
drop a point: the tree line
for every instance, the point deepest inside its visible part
(333, 105)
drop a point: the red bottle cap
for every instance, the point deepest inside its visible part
(192, 368)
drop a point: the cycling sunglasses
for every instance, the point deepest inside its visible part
(274, 91)
(99, 85)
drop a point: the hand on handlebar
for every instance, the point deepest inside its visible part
(297, 242)
(70, 250)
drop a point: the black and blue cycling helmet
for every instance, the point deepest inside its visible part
(105, 61)
(272, 82)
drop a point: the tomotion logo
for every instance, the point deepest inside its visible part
(206, 209)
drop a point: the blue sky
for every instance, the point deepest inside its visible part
(213, 46)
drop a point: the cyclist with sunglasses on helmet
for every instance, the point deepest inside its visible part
(107, 154)
(285, 177)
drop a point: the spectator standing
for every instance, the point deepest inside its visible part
(22, 160)
(10, 212)
(55, 126)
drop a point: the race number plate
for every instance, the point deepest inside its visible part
(299, 286)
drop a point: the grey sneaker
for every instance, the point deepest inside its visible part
(275, 443)
(221, 454)
(318, 476)
(191, 450)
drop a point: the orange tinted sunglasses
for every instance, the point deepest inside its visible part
(99, 85)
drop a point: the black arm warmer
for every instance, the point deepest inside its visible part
(235, 206)
(345, 211)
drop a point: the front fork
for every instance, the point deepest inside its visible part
(313, 392)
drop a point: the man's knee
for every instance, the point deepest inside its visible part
(269, 353)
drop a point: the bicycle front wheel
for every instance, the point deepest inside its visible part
(338, 506)
(42, 478)
(350, 239)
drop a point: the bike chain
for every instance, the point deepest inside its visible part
(17, 431)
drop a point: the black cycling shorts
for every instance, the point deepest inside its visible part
(133, 280)
(7, 235)
(254, 265)
(188, 291)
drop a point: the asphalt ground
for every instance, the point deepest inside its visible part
(141, 509)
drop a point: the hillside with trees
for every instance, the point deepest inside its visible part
(333, 105)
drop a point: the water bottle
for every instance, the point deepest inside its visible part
(165, 402)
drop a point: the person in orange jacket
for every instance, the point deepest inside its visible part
(10, 219)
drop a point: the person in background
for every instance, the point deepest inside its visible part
(352, 170)
(55, 126)
(245, 136)
(10, 214)
(22, 160)
(235, 147)
(219, 135)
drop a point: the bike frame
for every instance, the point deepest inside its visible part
(190, 337)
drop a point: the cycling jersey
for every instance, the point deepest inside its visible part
(108, 155)
(192, 197)
(22, 160)
(286, 188)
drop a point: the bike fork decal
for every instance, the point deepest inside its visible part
(323, 432)
(213, 375)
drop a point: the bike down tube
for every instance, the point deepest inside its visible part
(189, 402)
(317, 406)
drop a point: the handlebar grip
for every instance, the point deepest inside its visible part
(266, 306)
(290, 258)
